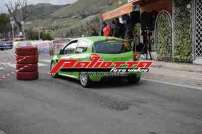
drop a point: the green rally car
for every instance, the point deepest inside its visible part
(109, 48)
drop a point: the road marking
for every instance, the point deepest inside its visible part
(46, 61)
(175, 84)
(42, 65)
(11, 65)
(14, 65)
(1, 68)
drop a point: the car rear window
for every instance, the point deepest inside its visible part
(112, 47)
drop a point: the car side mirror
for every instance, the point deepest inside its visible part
(61, 52)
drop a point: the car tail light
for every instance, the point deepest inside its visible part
(136, 56)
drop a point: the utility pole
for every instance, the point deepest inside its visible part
(12, 22)
(23, 29)
(39, 33)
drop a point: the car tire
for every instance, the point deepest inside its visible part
(134, 79)
(85, 80)
(27, 75)
(51, 66)
(26, 51)
(2, 49)
(27, 67)
(27, 59)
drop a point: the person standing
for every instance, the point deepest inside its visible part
(117, 28)
(106, 30)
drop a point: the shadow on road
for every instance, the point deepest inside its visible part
(105, 84)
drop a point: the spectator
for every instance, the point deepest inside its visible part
(106, 30)
(129, 28)
(116, 28)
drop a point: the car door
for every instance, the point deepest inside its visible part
(82, 53)
(70, 48)
(83, 49)
(68, 52)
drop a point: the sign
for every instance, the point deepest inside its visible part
(124, 9)
(98, 65)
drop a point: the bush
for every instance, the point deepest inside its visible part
(183, 40)
(34, 35)
(46, 36)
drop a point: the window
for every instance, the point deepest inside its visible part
(82, 47)
(70, 48)
(112, 47)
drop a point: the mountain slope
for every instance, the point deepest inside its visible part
(76, 18)
(83, 8)
(42, 10)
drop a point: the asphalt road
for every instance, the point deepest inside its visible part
(62, 106)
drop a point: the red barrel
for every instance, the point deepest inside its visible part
(27, 63)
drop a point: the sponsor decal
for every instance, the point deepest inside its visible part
(96, 64)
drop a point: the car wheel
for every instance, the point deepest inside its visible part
(134, 79)
(51, 67)
(84, 80)
(2, 49)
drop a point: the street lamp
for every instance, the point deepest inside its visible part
(23, 30)
(39, 33)
(12, 22)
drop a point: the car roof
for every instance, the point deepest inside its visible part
(98, 38)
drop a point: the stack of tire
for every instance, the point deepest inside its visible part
(27, 63)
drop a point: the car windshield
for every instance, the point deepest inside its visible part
(112, 47)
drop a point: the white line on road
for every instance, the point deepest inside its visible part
(175, 84)
(11, 65)
(1, 68)
(46, 61)
(14, 65)
(42, 65)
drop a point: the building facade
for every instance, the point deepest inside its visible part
(177, 36)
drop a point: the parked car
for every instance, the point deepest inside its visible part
(109, 48)
(4, 45)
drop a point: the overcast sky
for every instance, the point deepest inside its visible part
(57, 2)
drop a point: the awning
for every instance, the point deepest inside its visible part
(122, 10)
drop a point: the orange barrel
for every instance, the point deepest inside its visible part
(27, 63)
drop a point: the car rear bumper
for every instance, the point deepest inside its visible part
(98, 76)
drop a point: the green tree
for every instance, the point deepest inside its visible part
(4, 25)
(31, 34)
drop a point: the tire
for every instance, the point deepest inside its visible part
(2, 49)
(26, 51)
(27, 75)
(27, 67)
(51, 66)
(84, 80)
(134, 79)
(27, 59)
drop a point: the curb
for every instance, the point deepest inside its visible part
(179, 67)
